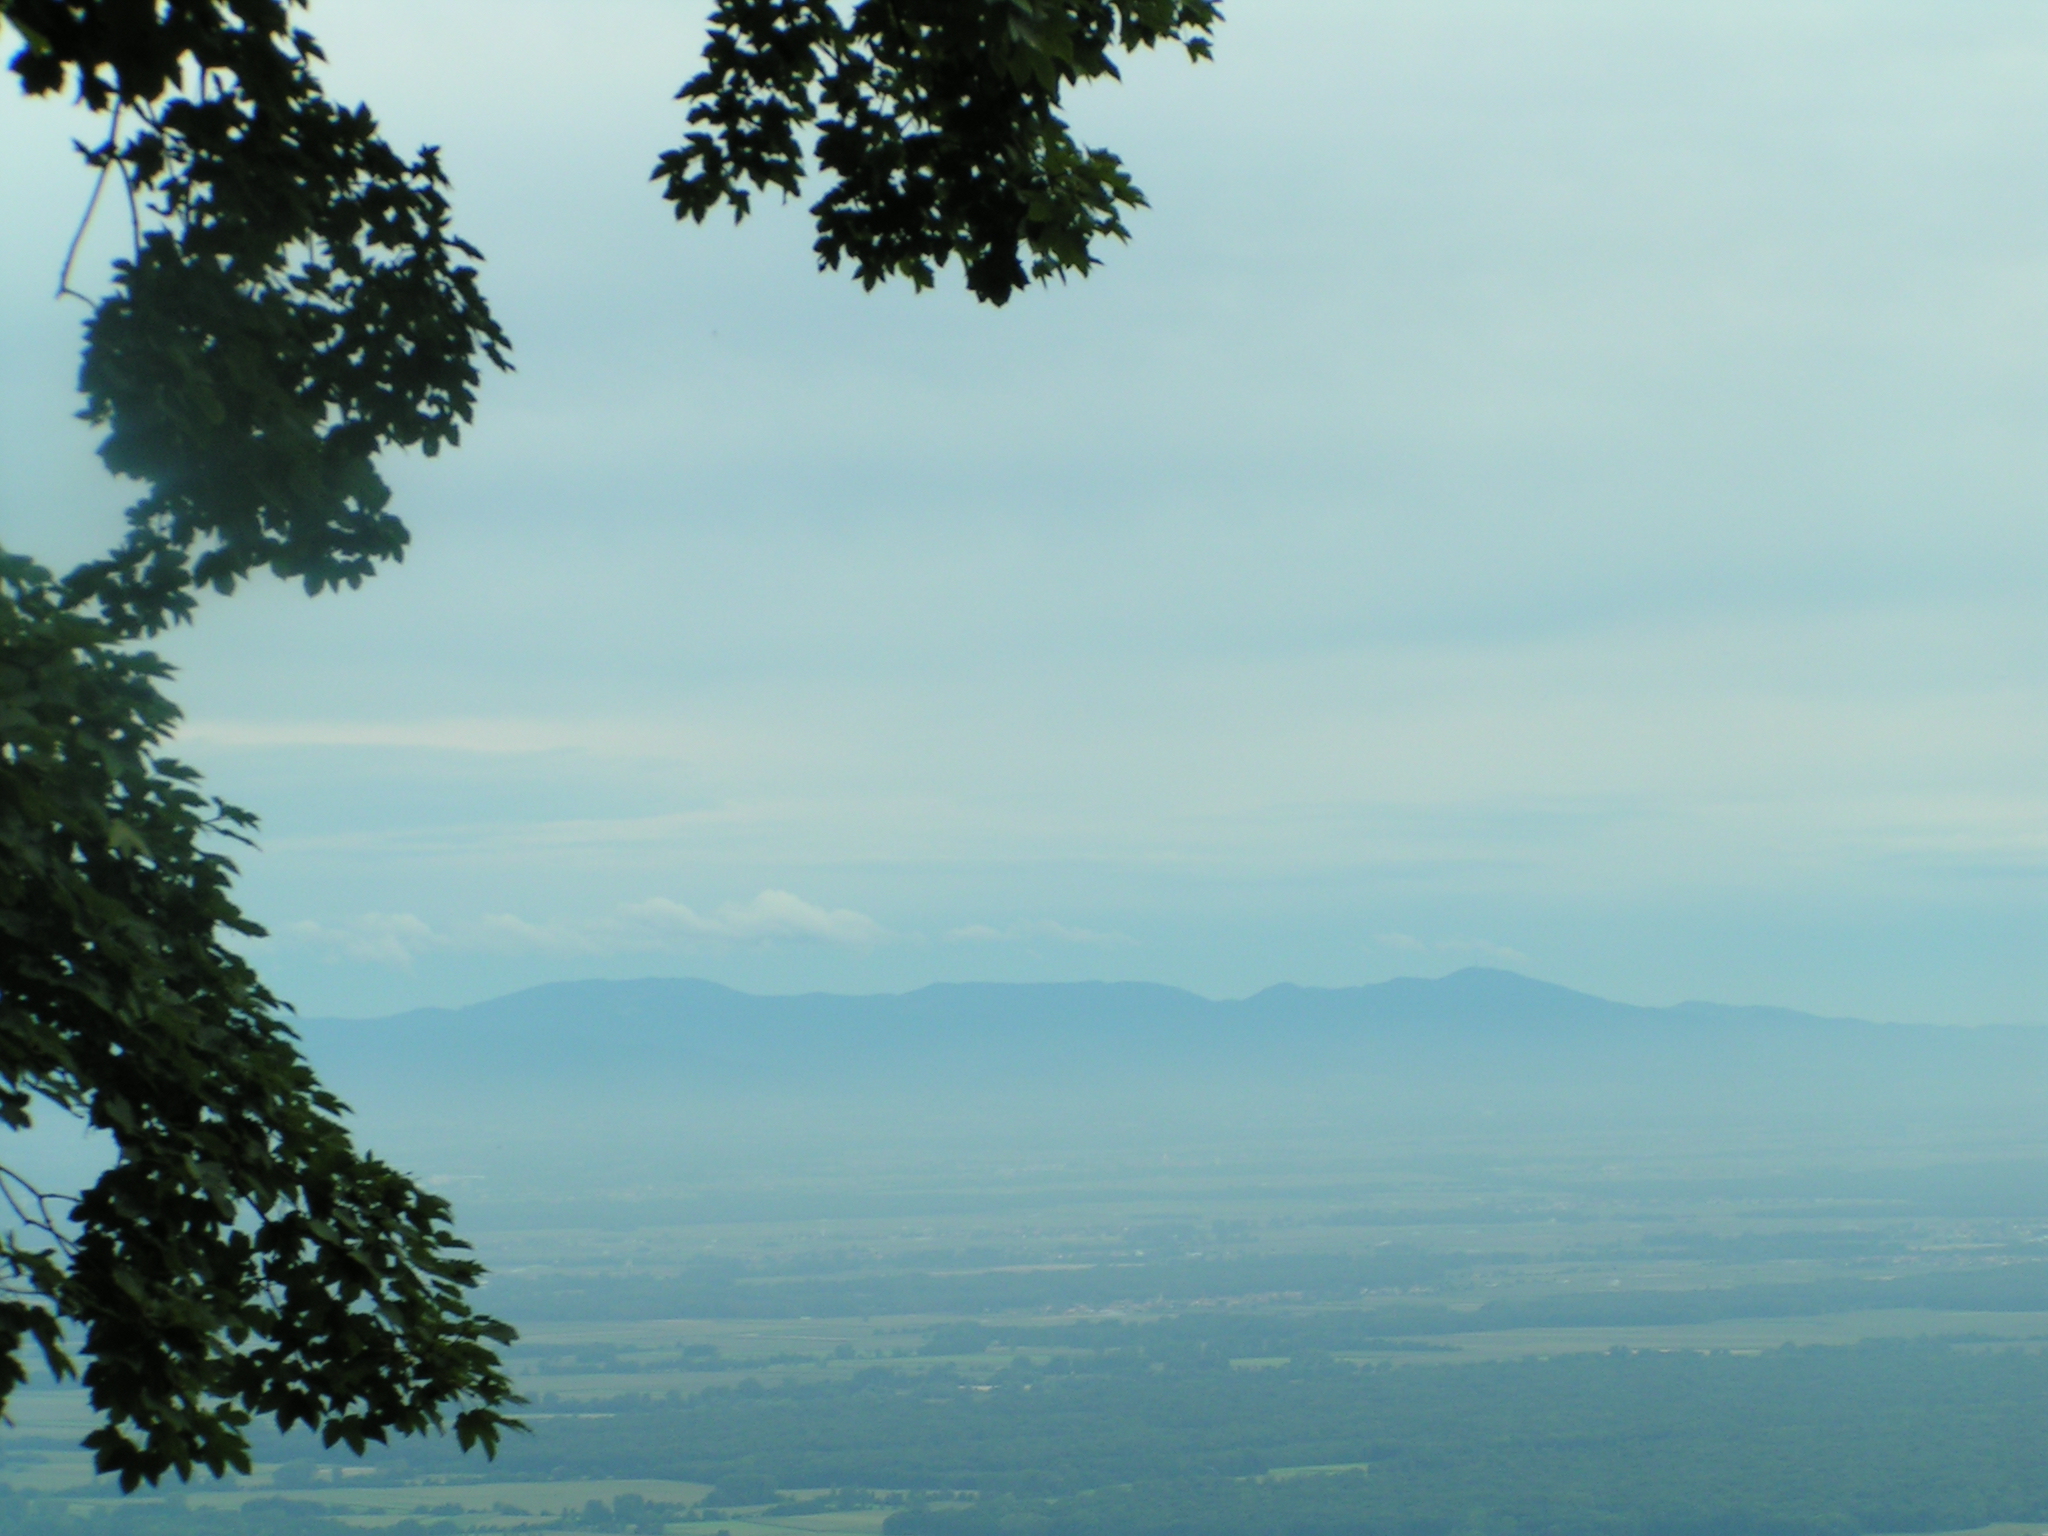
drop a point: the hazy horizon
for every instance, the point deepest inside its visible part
(1340, 880)
(1547, 487)
(1136, 981)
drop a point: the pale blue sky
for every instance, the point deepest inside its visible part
(1556, 485)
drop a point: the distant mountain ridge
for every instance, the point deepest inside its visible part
(1476, 994)
(1476, 1044)
(583, 1027)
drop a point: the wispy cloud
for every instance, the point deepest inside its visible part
(1038, 930)
(494, 735)
(770, 915)
(400, 938)
(377, 938)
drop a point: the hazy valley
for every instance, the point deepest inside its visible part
(1476, 1253)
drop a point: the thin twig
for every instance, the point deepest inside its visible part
(134, 210)
(109, 154)
(13, 1189)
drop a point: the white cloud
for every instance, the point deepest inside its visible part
(380, 938)
(608, 736)
(657, 924)
(1041, 928)
(770, 915)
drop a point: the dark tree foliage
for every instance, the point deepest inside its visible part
(240, 1256)
(936, 120)
(294, 304)
(1133, 1440)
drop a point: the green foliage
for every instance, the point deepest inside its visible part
(240, 1256)
(295, 303)
(26, 1515)
(1821, 1441)
(937, 121)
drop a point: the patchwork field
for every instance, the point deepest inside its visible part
(1217, 1346)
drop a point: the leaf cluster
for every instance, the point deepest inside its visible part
(937, 121)
(240, 1256)
(296, 301)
